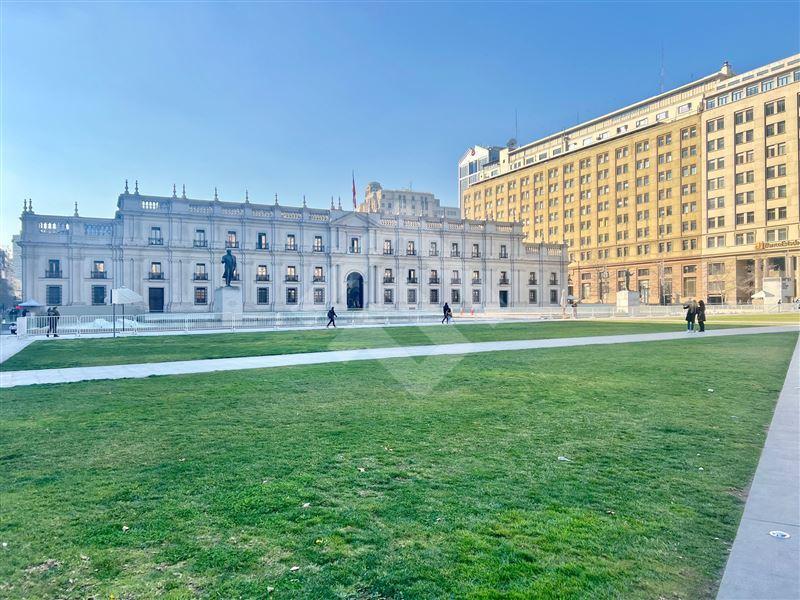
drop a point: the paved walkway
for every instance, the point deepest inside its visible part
(21, 378)
(760, 565)
(10, 345)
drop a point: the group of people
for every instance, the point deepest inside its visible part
(695, 311)
(52, 321)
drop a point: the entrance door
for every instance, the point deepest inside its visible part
(503, 298)
(355, 291)
(156, 299)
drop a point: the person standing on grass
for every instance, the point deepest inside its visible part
(446, 313)
(331, 318)
(701, 315)
(49, 321)
(691, 314)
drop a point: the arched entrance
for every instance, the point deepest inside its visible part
(355, 291)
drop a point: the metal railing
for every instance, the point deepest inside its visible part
(264, 246)
(98, 275)
(155, 241)
(262, 277)
(155, 276)
(200, 243)
(50, 274)
(200, 277)
(388, 280)
(230, 244)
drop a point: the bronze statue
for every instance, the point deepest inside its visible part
(229, 260)
(628, 280)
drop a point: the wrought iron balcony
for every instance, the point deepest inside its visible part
(503, 255)
(51, 274)
(553, 281)
(318, 279)
(318, 248)
(200, 277)
(388, 251)
(503, 281)
(263, 277)
(531, 281)
(455, 254)
(476, 255)
(290, 247)
(411, 280)
(200, 243)
(155, 241)
(433, 253)
(476, 281)
(455, 280)
(434, 280)
(388, 280)
(231, 244)
(354, 250)
(264, 246)
(411, 252)
(98, 275)
(155, 275)
(292, 278)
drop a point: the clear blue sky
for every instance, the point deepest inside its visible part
(288, 98)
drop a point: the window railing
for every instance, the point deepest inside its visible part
(503, 281)
(411, 252)
(318, 279)
(155, 241)
(290, 247)
(98, 275)
(264, 246)
(52, 274)
(503, 255)
(455, 254)
(200, 277)
(476, 280)
(318, 248)
(433, 280)
(553, 281)
(388, 251)
(388, 279)
(152, 275)
(354, 250)
(433, 253)
(476, 254)
(411, 280)
(455, 280)
(292, 278)
(262, 277)
(531, 281)
(200, 243)
(231, 244)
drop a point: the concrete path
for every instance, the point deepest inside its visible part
(10, 345)
(760, 565)
(20, 378)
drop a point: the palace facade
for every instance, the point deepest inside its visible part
(693, 193)
(169, 250)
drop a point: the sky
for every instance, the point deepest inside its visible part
(291, 98)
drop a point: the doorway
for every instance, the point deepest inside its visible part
(156, 299)
(355, 291)
(503, 298)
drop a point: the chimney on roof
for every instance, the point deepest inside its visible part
(726, 69)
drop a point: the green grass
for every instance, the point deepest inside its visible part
(787, 318)
(426, 478)
(49, 354)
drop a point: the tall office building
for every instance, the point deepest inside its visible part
(406, 202)
(691, 193)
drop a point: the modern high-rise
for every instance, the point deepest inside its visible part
(472, 162)
(689, 194)
(406, 202)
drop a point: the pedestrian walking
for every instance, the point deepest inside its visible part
(331, 318)
(701, 315)
(50, 321)
(691, 315)
(445, 313)
(56, 317)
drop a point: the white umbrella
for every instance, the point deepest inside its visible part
(31, 303)
(123, 296)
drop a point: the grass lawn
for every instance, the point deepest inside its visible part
(49, 354)
(412, 478)
(785, 318)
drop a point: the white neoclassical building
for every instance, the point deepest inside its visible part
(169, 250)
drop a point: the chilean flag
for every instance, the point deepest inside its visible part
(355, 206)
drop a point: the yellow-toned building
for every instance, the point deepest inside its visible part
(689, 194)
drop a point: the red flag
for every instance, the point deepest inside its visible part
(355, 206)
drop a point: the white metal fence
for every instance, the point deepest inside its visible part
(78, 325)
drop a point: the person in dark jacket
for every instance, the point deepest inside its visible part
(701, 315)
(50, 321)
(56, 316)
(691, 314)
(446, 313)
(331, 318)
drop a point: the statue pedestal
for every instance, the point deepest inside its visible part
(228, 301)
(627, 301)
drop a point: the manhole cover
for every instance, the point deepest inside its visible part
(780, 534)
